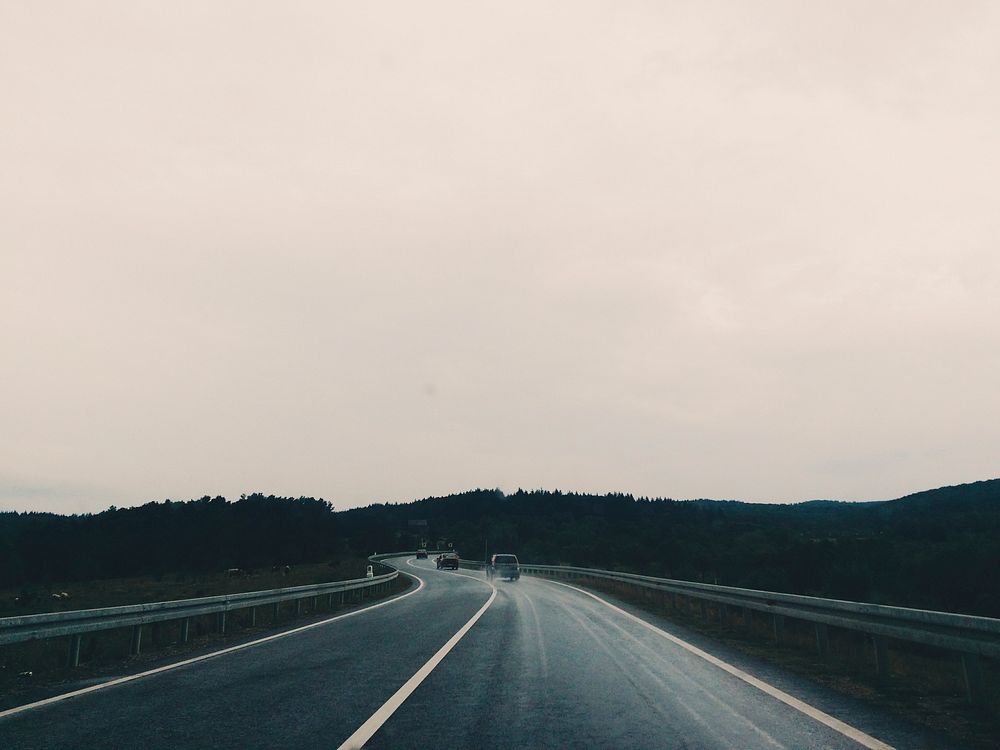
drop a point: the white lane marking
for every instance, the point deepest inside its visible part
(387, 709)
(456, 573)
(539, 639)
(814, 713)
(203, 657)
(669, 677)
(436, 571)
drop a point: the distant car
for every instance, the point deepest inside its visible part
(504, 566)
(421, 554)
(448, 561)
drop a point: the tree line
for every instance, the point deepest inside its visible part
(938, 549)
(207, 534)
(935, 550)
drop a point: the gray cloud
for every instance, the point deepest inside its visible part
(686, 249)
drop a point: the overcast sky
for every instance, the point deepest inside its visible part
(378, 251)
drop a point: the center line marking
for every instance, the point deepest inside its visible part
(381, 716)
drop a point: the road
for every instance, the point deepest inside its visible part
(544, 665)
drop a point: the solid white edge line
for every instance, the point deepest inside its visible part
(387, 709)
(203, 657)
(814, 713)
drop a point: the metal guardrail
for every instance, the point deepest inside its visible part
(969, 636)
(964, 633)
(77, 623)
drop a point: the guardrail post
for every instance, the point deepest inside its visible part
(779, 627)
(881, 657)
(73, 660)
(329, 601)
(136, 644)
(822, 640)
(972, 671)
(957, 635)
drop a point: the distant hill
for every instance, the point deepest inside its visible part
(982, 495)
(938, 549)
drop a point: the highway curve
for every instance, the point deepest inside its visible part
(545, 665)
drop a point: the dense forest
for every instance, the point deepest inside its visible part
(156, 538)
(938, 549)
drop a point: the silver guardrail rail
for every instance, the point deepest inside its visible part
(77, 623)
(969, 636)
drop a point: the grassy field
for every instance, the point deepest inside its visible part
(117, 591)
(29, 668)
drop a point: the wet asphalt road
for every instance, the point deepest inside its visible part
(545, 666)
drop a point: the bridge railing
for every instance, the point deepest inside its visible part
(968, 636)
(77, 623)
